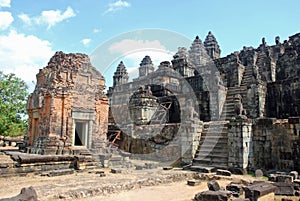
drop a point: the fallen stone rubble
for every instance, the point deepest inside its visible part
(26, 194)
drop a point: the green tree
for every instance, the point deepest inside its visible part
(13, 98)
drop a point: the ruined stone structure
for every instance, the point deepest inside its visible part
(68, 109)
(237, 112)
(220, 103)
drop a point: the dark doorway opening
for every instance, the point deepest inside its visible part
(80, 133)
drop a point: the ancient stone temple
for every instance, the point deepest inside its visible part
(68, 109)
(238, 112)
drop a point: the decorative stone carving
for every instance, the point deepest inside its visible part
(239, 111)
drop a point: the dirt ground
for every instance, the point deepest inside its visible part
(49, 188)
(177, 191)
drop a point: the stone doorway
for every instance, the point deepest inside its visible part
(81, 133)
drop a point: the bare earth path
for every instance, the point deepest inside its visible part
(142, 184)
(178, 191)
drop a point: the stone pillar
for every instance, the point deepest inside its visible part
(239, 144)
(190, 134)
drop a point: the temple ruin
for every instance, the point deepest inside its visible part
(68, 109)
(239, 112)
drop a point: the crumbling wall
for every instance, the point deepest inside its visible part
(152, 141)
(68, 89)
(276, 144)
(283, 98)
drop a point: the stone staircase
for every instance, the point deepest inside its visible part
(212, 150)
(228, 109)
(247, 77)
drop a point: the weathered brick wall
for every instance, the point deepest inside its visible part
(276, 144)
(68, 89)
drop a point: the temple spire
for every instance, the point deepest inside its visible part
(212, 47)
(146, 66)
(121, 75)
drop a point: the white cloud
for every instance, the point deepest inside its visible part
(6, 19)
(49, 17)
(129, 45)
(86, 41)
(133, 51)
(23, 55)
(52, 17)
(25, 18)
(4, 3)
(117, 5)
(96, 30)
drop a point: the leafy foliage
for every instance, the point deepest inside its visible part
(13, 96)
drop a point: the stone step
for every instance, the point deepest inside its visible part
(208, 144)
(210, 147)
(247, 78)
(215, 139)
(210, 161)
(214, 126)
(217, 165)
(215, 132)
(211, 155)
(216, 151)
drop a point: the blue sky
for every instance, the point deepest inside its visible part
(32, 30)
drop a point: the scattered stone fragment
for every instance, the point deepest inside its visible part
(294, 174)
(296, 186)
(255, 191)
(101, 173)
(283, 188)
(26, 194)
(116, 171)
(213, 185)
(139, 167)
(284, 178)
(297, 181)
(237, 189)
(223, 172)
(167, 168)
(272, 177)
(202, 169)
(54, 173)
(193, 182)
(259, 173)
(213, 196)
